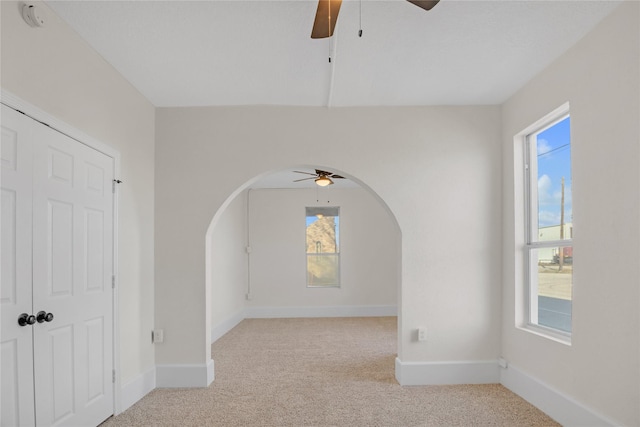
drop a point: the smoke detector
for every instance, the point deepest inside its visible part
(32, 16)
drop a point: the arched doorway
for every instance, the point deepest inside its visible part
(255, 256)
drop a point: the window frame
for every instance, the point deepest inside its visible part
(531, 243)
(337, 253)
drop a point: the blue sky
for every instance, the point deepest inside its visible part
(311, 219)
(554, 163)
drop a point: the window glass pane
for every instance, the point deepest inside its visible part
(323, 270)
(551, 287)
(553, 174)
(323, 246)
(549, 225)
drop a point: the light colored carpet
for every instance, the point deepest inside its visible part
(322, 372)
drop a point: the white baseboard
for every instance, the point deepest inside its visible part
(226, 325)
(557, 405)
(294, 312)
(321, 311)
(440, 373)
(136, 389)
(172, 376)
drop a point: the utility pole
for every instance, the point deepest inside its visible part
(561, 254)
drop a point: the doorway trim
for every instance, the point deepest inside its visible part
(14, 102)
(214, 333)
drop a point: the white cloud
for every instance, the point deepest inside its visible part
(547, 218)
(546, 195)
(549, 202)
(544, 190)
(543, 147)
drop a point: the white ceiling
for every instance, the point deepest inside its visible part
(196, 53)
(212, 53)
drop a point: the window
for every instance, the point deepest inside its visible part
(323, 247)
(549, 227)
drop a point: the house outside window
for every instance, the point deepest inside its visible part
(323, 247)
(548, 281)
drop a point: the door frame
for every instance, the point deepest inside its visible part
(42, 116)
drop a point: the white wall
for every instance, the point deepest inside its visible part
(228, 242)
(600, 78)
(53, 69)
(369, 244)
(437, 168)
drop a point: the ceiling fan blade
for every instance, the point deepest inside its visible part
(336, 176)
(424, 4)
(326, 18)
(322, 173)
(304, 179)
(307, 173)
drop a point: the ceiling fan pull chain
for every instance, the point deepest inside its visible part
(329, 31)
(360, 31)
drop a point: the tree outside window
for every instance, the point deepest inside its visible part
(323, 253)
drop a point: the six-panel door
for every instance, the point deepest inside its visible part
(71, 270)
(16, 342)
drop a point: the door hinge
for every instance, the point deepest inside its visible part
(113, 282)
(113, 377)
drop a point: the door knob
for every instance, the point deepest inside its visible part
(26, 319)
(43, 316)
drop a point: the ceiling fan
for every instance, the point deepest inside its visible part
(327, 15)
(322, 178)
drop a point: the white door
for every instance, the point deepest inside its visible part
(16, 342)
(71, 279)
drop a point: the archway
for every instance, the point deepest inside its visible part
(229, 238)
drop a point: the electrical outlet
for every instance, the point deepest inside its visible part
(157, 336)
(422, 334)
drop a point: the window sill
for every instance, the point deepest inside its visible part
(552, 334)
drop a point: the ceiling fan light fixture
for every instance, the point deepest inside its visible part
(323, 181)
